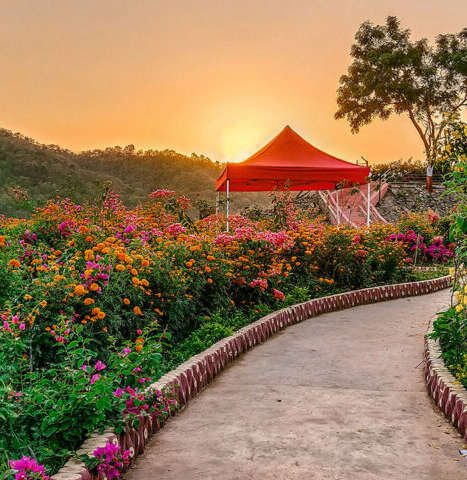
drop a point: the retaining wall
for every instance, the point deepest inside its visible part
(449, 395)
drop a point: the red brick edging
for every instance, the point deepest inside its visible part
(197, 372)
(450, 396)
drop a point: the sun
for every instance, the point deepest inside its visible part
(239, 141)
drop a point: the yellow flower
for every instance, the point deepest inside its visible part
(459, 308)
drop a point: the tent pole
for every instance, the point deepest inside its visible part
(227, 204)
(338, 219)
(368, 204)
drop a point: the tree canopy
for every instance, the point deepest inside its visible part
(391, 74)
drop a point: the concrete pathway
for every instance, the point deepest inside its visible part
(335, 397)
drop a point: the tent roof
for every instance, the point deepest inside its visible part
(290, 161)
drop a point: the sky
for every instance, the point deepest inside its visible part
(215, 77)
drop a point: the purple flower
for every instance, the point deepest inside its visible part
(99, 366)
(28, 468)
(129, 229)
(118, 393)
(112, 460)
(126, 351)
(94, 378)
(84, 368)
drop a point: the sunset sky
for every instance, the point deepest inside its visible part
(207, 76)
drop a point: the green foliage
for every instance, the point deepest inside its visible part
(451, 326)
(451, 329)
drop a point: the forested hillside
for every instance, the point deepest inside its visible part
(31, 173)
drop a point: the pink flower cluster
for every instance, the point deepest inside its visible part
(162, 194)
(244, 233)
(28, 469)
(278, 295)
(262, 283)
(13, 324)
(144, 402)
(437, 250)
(223, 239)
(113, 461)
(175, 229)
(276, 239)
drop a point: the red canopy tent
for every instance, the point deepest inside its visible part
(289, 161)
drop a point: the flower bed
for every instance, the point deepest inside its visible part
(97, 302)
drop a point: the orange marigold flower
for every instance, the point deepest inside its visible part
(144, 263)
(101, 315)
(43, 303)
(126, 301)
(95, 310)
(13, 263)
(120, 267)
(80, 290)
(138, 348)
(88, 301)
(137, 310)
(145, 282)
(94, 287)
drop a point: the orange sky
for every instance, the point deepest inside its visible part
(207, 76)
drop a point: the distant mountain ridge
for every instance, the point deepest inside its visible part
(45, 171)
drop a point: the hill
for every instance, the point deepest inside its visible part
(45, 171)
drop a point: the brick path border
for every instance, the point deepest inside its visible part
(197, 372)
(450, 397)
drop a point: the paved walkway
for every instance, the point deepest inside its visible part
(335, 397)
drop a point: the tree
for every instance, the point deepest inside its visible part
(390, 74)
